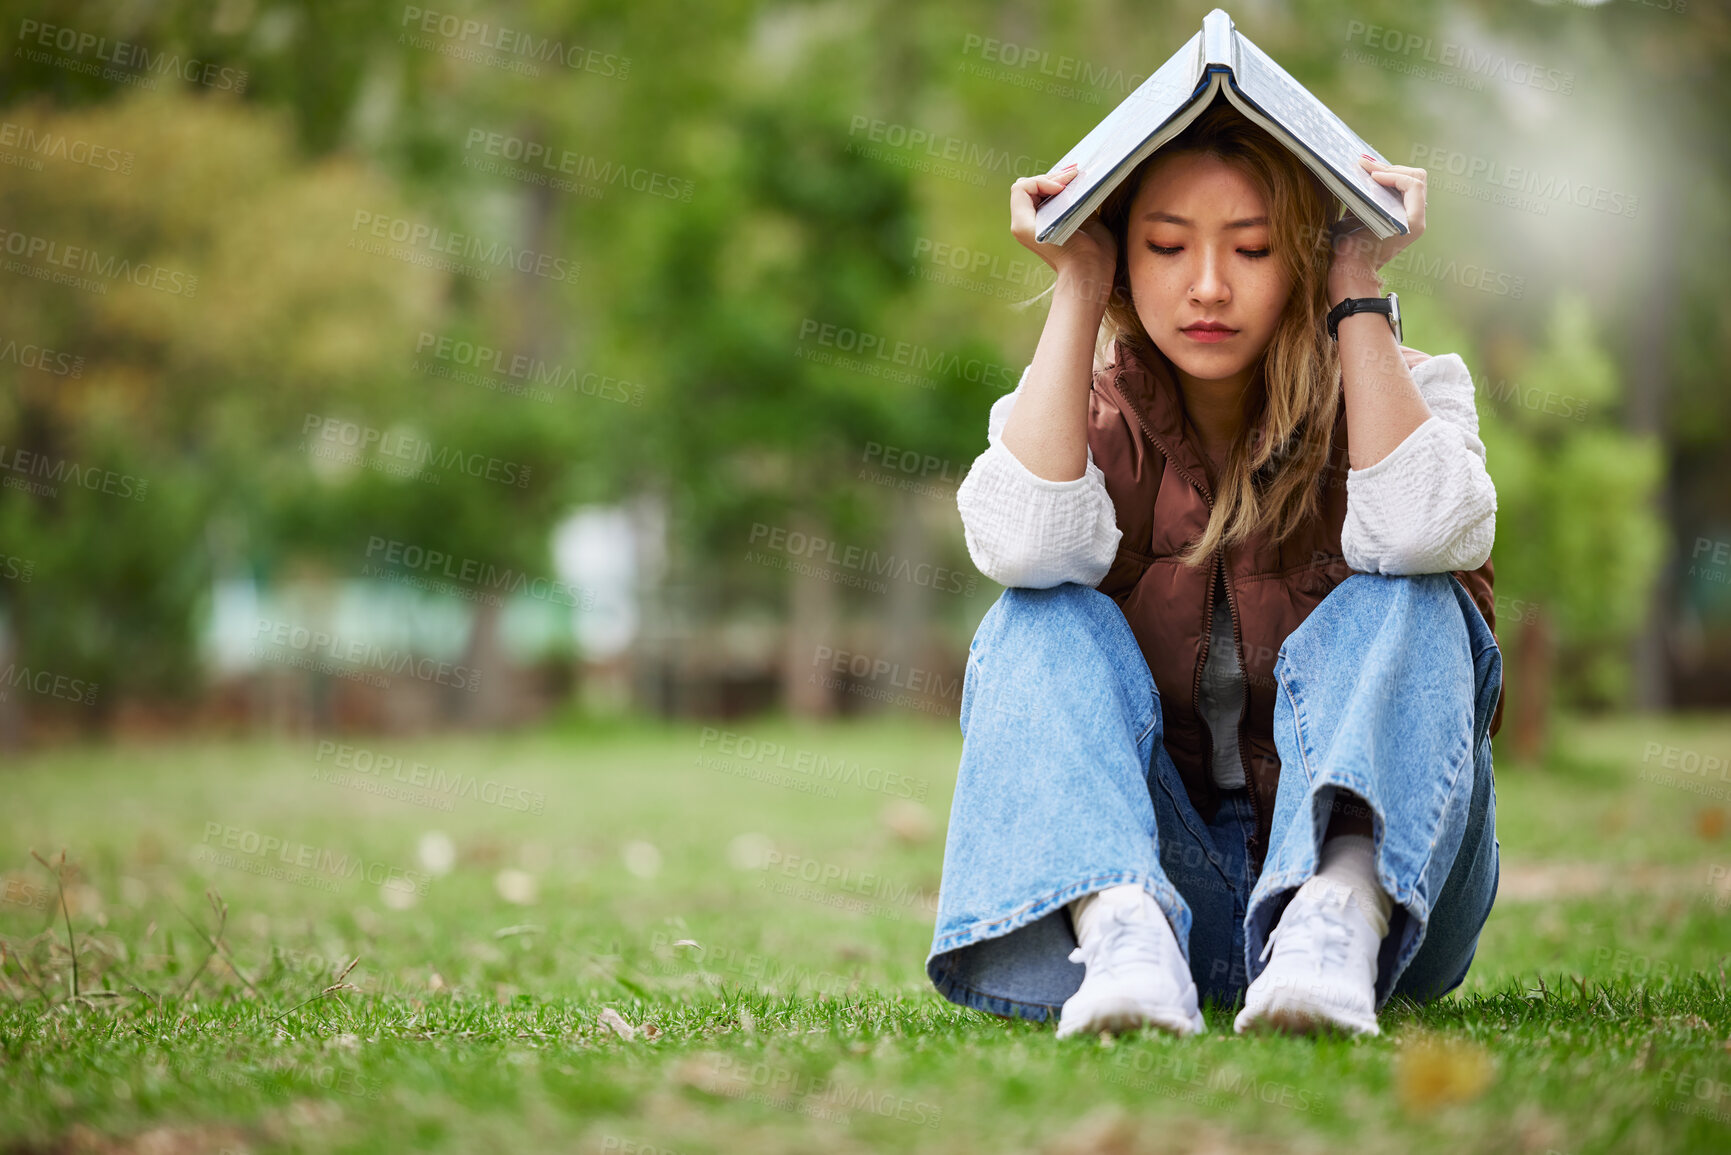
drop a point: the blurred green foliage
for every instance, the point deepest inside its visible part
(683, 337)
(1577, 539)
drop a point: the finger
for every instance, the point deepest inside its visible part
(1385, 166)
(1039, 182)
(1399, 178)
(1404, 182)
(1412, 189)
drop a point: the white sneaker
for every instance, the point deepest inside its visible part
(1323, 973)
(1136, 977)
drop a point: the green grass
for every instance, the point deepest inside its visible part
(801, 1019)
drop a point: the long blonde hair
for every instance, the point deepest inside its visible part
(1273, 471)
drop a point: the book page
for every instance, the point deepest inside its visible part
(1138, 116)
(1290, 104)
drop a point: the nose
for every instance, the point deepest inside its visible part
(1208, 286)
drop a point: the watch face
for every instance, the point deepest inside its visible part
(1394, 314)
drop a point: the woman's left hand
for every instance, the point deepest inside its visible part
(1358, 253)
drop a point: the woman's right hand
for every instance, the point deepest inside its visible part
(1091, 253)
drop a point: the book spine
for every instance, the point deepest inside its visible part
(1219, 42)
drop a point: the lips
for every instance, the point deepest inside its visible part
(1209, 332)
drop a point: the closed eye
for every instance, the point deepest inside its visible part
(1254, 254)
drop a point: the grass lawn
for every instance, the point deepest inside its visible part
(644, 939)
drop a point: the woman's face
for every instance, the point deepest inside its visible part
(1197, 248)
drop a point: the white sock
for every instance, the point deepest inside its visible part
(1350, 860)
(1085, 912)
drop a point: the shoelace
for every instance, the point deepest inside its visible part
(1324, 923)
(1118, 942)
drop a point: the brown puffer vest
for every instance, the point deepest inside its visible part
(1159, 488)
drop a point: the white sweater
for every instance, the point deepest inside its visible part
(1427, 507)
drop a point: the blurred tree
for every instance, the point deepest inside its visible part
(212, 303)
(700, 305)
(1578, 547)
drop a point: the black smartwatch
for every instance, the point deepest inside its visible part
(1389, 305)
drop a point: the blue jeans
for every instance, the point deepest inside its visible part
(1065, 787)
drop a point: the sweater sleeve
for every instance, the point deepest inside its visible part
(1429, 506)
(1025, 530)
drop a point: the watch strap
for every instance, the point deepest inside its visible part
(1351, 305)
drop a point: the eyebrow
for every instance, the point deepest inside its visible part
(1248, 222)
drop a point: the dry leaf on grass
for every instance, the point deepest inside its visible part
(705, 1073)
(907, 820)
(1435, 1073)
(614, 1020)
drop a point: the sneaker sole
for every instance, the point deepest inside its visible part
(1120, 1015)
(1300, 1020)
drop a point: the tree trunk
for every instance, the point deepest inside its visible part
(1529, 696)
(1649, 384)
(905, 633)
(11, 717)
(811, 623)
(489, 704)
(649, 658)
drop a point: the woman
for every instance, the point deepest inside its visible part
(1227, 732)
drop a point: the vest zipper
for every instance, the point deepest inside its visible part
(1207, 642)
(1243, 717)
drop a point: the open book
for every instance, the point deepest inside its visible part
(1218, 59)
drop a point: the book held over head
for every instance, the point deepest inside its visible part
(1219, 61)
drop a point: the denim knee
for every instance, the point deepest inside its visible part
(1390, 585)
(1066, 602)
(1056, 628)
(1375, 597)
